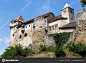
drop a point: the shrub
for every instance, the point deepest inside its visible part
(50, 48)
(42, 48)
(77, 48)
(15, 52)
(59, 52)
(60, 40)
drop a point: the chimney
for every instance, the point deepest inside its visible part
(79, 11)
(83, 9)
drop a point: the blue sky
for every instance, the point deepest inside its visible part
(28, 9)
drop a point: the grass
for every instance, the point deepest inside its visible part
(42, 55)
(71, 54)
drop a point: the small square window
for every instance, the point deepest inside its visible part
(71, 18)
(29, 25)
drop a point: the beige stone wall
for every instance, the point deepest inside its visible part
(80, 32)
(40, 35)
(81, 15)
(54, 26)
(20, 37)
(66, 30)
(67, 14)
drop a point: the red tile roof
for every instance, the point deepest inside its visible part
(19, 18)
(29, 21)
(12, 20)
(57, 17)
(69, 25)
(45, 15)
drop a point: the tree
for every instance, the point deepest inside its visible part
(83, 3)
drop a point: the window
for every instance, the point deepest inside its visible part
(33, 26)
(71, 11)
(20, 36)
(13, 34)
(25, 34)
(45, 21)
(50, 28)
(64, 11)
(53, 28)
(22, 31)
(71, 18)
(22, 26)
(29, 25)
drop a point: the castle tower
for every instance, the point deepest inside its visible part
(14, 29)
(68, 12)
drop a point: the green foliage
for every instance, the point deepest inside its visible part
(77, 48)
(16, 52)
(60, 52)
(60, 40)
(48, 49)
(42, 48)
(83, 3)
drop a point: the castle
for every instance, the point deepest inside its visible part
(39, 28)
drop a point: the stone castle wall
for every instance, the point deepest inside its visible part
(40, 36)
(80, 32)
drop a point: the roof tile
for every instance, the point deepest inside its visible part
(69, 25)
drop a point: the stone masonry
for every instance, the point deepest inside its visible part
(80, 32)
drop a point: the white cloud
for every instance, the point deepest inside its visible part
(45, 7)
(71, 3)
(4, 24)
(26, 6)
(1, 39)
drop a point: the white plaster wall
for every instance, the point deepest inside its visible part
(11, 37)
(59, 22)
(66, 30)
(39, 22)
(13, 24)
(27, 28)
(25, 42)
